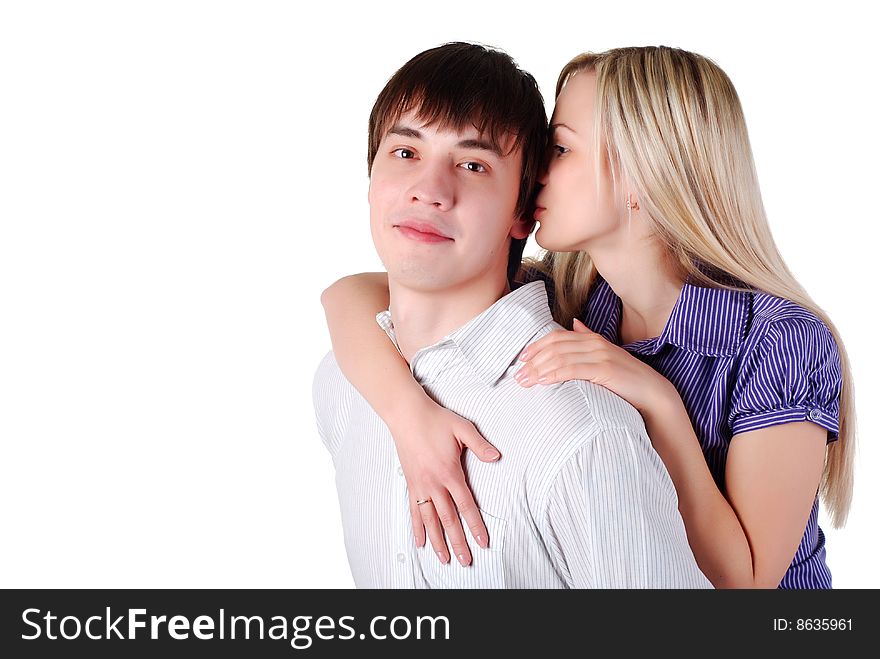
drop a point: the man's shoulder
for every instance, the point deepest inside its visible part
(330, 388)
(592, 406)
(327, 371)
(607, 408)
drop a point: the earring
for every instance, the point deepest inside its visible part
(630, 207)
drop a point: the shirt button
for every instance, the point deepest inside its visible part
(401, 558)
(400, 471)
(815, 415)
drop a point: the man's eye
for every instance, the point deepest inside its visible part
(404, 153)
(475, 167)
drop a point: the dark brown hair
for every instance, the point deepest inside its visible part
(461, 84)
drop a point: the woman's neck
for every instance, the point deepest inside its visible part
(648, 283)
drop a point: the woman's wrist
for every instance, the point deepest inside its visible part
(672, 435)
(665, 405)
(408, 404)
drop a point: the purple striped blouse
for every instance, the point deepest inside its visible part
(741, 361)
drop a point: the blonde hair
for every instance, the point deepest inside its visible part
(671, 121)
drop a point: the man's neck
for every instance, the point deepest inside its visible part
(422, 318)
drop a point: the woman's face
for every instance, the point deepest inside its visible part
(572, 211)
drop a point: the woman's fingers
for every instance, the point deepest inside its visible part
(417, 523)
(560, 350)
(463, 498)
(435, 531)
(430, 456)
(451, 523)
(467, 434)
(581, 371)
(439, 516)
(553, 338)
(577, 366)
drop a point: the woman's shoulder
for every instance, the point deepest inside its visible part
(789, 369)
(782, 324)
(772, 312)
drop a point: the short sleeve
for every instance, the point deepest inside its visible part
(791, 374)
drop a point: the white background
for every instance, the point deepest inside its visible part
(180, 180)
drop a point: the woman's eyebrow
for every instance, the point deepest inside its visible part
(562, 125)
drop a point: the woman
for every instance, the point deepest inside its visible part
(658, 239)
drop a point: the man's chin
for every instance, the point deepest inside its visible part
(419, 276)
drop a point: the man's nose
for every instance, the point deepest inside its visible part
(435, 186)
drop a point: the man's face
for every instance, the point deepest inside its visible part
(442, 205)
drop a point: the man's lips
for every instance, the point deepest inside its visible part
(422, 231)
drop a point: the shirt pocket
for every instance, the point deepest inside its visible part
(487, 565)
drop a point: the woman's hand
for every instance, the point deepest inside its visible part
(584, 355)
(429, 441)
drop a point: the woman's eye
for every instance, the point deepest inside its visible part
(404, 153)
(475, 167)
(560, 150)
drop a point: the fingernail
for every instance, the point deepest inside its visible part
(463, 560)
(481, 540)
(522, 378)
(442, 557)
(542, 379)
(524, 355)
(493, 455)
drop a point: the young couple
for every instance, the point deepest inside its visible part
(678, 435)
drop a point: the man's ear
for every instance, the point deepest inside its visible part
(522, 227)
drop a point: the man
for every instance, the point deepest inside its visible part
(580, 498)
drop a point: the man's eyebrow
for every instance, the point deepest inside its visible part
(474, 143)
(405, 131)
(481, 144)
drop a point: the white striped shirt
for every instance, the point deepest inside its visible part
(580, 499)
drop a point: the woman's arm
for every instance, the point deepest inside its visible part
(748, 539)
(429, 438)
(384, 379)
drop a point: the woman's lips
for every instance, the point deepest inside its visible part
(539, 210)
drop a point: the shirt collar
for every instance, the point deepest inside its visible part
(708, 321)
(491, 341)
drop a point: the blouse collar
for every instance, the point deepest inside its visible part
(708, 321)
